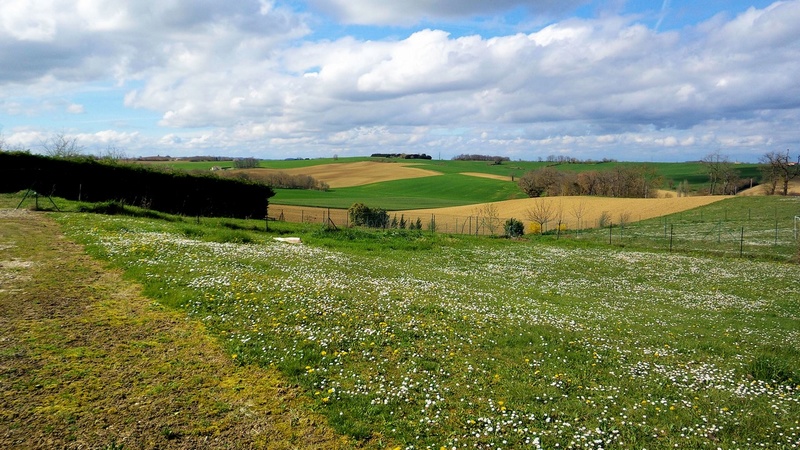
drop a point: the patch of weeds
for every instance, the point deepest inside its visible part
(375, 239)
(232, 237)
(111, 208)
(772, 369)
(193, 232)
(170, 434)
(114, 446)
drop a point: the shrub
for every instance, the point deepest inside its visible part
(363, 215)
(604, 220)
(514, 228)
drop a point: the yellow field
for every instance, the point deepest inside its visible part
(341, 175)
(462, 219)
(569, 208)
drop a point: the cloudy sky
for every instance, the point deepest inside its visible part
(668, 80)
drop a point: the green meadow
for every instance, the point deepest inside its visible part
(416, 340)
(750, 227)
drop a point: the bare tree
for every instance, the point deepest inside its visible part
(716, 164)
(541, 212)
(60, 145)
(578, 211)
(779, 169)
(489, 217)
(649, 180)
(113, 153)
(683, 188)
(730, 181)
(540, 182)
(558, 215)
(624, 218)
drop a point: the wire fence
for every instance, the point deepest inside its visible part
(442, 223)
(774, 239)
(743, 234)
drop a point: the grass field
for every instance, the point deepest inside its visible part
(681, 330)
(756, 227)
(86, 361)
(418, 340)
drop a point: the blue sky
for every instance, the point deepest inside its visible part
(632, 80)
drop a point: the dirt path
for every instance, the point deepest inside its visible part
(87, 362)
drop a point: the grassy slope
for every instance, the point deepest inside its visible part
(508, 341)
(444, 341)
(87, 362)
(756, 227)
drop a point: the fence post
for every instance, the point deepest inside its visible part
(796, 219)
(741, 244)
(776, 232)
(610, 232)
(671, 234)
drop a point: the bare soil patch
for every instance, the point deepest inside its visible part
(340, 175)
(87, 362)
(487, 175)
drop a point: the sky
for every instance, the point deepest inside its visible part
(669, 80)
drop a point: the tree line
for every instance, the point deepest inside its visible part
(620, 181)
(778, 169)
(92, 180)
(495, 159)
(280, 180)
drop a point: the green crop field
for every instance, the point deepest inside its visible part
(451, 190)
(418, 340)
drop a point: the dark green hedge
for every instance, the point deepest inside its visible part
(94, 181)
